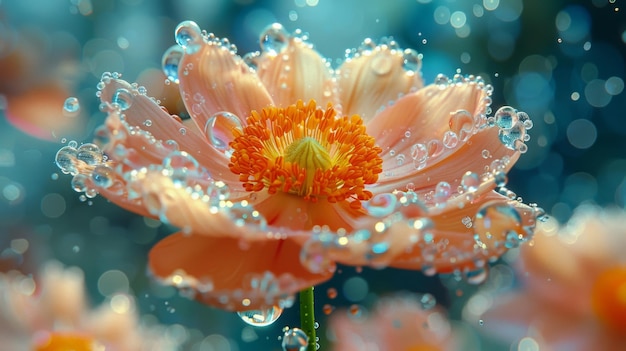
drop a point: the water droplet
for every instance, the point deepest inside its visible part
(295, 339)
(65, 158)
(122, 98)
(381, 205)
(381, 64)
(79, 183)
(71, 105)
(218, 191)
(147, 123)
(90, 154)
(367, 46)
(419, 153)
(189, 36)
(313, 254)
(443, 191)
(274, 39)
(500, 178)
(442, 81)
(494, 222)
(252, 59)
(411, 60)
(470, 181)
(512, 137)
(261, 318)
(461, 122)
(102, 176)
(181, 166)
(506, 117)
(477, 276)
(428, 301)
(485, 153)
(245, 215)
(218, 129)
(525, 119)
(170, 62)
(450, 139)
(331, 293)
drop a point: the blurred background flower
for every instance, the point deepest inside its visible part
(561, 61)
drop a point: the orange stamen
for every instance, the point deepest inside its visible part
(306, 151)
(64, 342)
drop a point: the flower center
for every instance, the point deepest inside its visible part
(64, 342)
(306, 151)
(608, 298)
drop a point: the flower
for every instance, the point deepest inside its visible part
(34, 84)
(396, 323)
(574, 286)
(288, 167)
(52, 314)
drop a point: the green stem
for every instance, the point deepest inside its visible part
(307, 316)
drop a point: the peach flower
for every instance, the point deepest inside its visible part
(288, 166)
(574, 296)
(51, 314)
(34, 84)
(398, 323)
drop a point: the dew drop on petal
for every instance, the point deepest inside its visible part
(450, 139)
(71, 105)
(428, 301)
(494, 222)
(470, 182)
(443, 191)
(244, 214)
(170, 62)
(218, 129)
(314, 254)
(102, 176)
(295, 339)
(506, 117)
(90, 154)
(381, 205)
(410, 60)
(66, 158)
(274, 39)
(512, 137)
(122, 98)
(189, 36)
(261, 318)
(500, 178)
(419, 153)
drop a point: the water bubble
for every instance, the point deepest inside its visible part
(252, 59)
(381, 205)
(181, 165)
(274, 39)
(218, 191)
(419, 153)
(122, 98)
(525, 119)
(494, 222)
(189, 36)
(313, 254)
(477, 276)
(443, 191)
(450, 139)
(245, 215)
(79, 183)
(500, 178)
(505, 117)
(381, 64)
(90, 154)
(442, 81)
(72, 143)
(65, 158)
(411, 60)
(367, 46)
(331, 293)
(71, 105)
(470, 181)
(261, 318)
(218, 129)
(428, 301)
(170, 62)
(295, 339)
(512, 137)
(102, 176)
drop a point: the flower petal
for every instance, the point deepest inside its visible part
(39, 112)
(373, 78)
(417, 154)
(297, 73)
(450, 242)
(214, 79)
(237, 277)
